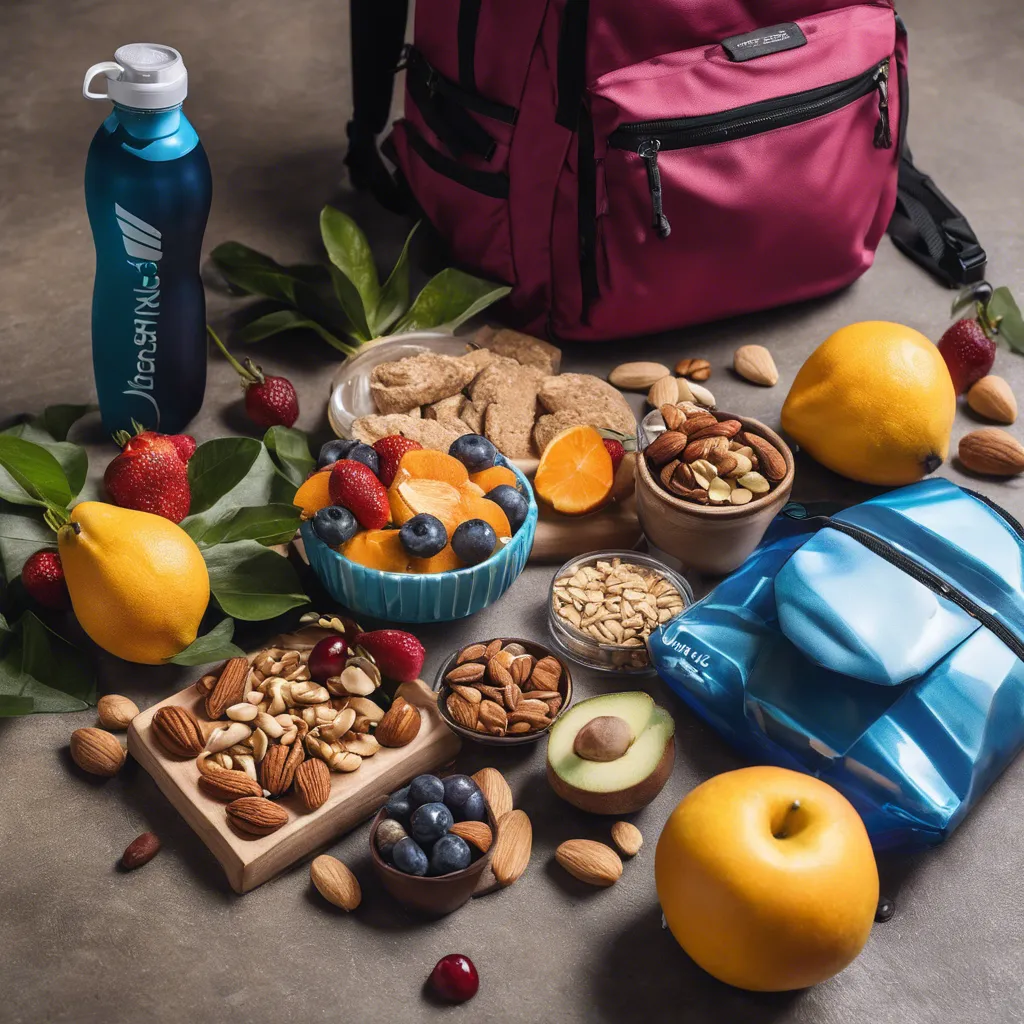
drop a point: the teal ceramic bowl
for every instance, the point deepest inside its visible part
(438, 597)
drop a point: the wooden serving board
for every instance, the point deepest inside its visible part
(354, 798)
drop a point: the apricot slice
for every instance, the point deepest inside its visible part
(476, 507)
(575, 474)
(377, 549)
(314, 494)
(443, 561)
(426, 464)
(488, 479)
(410, 496)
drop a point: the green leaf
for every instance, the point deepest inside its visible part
(448, 299)
(351, 304)
(22, 533)
(1003, 306)
(289, 449)
(349, 251)
(57, 420)
(217, 466)
(253, 272)
(288, 320)
(266, 524)
(41, 672)
(73, 458)
(214, 646)
(33, 476)
(394, 296)
(252, 583)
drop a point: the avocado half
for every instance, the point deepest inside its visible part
(629, 782)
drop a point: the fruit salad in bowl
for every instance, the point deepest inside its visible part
(398, 531)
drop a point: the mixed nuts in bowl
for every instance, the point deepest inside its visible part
(503, 692)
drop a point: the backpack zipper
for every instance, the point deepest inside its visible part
(649, 138)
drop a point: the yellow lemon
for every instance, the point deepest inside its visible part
(138, 583)
(875, 403)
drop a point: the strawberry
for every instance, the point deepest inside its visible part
(43, 577)
(969, 353)
(354, 486)
(391, 449)
(149, 476)
(184, 444)
(616, 451)
(269, 401)
(399, 655)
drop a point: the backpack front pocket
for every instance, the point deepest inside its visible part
(717, 188)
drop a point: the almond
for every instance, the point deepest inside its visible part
(476, 833)
(637, 376)
(673, 416)
(521, 669)
(496, 791)
(664, 391)
(991, 451)
(115, 711)
(699, 394)
(513, 847)
(694, 369)
(705, 448)
(462, 711)
(471, 653)
(513, 695)
(277, 769)
(493, 717)
(229, 785)
(470, 693)
(256, 816)
(720, 428)
(769, 459)
(492, 650)
(683, 390)
(668, 471)
(141, 850)
(992, 399)
(498, 672)
(590, 862)
(666, 447)
(96, 751)
(335, 882)
(698, 421)
(755, 364)
(229, 689)
(312, 783)
(471, 672)
(627, 837)
(177, 731)
(546, 674)
(399, 725)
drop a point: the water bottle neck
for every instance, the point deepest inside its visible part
(148, 124)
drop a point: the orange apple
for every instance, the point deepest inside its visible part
(767, 879)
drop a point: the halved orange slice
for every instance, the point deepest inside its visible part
(426, 464)
(314, 493)
(575, 473)
(488, 479)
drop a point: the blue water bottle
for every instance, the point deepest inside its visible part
(148, 191)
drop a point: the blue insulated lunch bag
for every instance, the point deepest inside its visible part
(879, 649)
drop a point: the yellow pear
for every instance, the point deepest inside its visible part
(138, 583)
(875, 403)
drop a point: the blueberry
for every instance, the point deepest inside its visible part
(474, 451)
(388, 833)
(366, 455)
(457, 790)
(425, 789)
(511, 502)
(430, 822)
(407, 856)
(423, 536)
(334, 525)
(450, 853)
(474, 809)
(334, 450)
(398, 806)
(474, 540)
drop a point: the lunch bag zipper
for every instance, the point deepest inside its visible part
(649, 138)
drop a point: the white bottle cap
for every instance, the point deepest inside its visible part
(143, 76)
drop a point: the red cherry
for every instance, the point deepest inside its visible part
(328, 658)
(454, 978)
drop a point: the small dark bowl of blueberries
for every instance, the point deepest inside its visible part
(418, 858)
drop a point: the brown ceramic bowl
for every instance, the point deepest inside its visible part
(517, 739)
(712, 539)
(432, 896)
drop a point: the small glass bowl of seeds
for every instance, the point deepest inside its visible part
(604, 605)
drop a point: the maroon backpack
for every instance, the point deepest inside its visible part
(634, 167)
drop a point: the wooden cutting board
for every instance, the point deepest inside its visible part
(354, 798)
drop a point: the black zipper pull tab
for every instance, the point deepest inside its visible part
(883, 133)
(648, 152)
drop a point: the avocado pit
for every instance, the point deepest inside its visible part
(605, 738)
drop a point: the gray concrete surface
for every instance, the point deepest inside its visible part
(82, 943)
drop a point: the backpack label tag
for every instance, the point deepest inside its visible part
(763, 41)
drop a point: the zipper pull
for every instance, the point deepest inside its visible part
(648, 152)
(883, 133)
